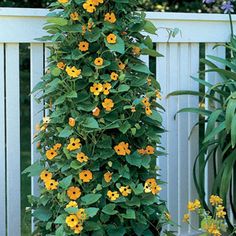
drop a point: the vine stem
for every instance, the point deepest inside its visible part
(231, 25)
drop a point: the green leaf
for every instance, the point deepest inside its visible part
(55, 71)
(123, 88)
(71, 210)
(65, 183)
(42, 214)
(60, 231)
(93, 35)
(233, 132)
(125, 127)
(34, 170)
(130, 214)
(214, 132)
(150, 52)
(109, 209)
(90, 198)
(66, 132)
(91, 226)
(156, 116)
(91, 211)
(91, 123)
(71, 94)
(137, 190)
(57, 20)
(140, 68)
(149, 27)
(119, 46)
(60, 219)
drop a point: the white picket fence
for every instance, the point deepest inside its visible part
(173, 71)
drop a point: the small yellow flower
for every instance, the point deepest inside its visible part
(133, 109)
(51, 184)
(98, 61)
(83, 46)
(89, 6)
(114, 76)
(110, 17)
(158, 94)
(113, 195)
(74, 193)
(192, 206)
(81, 214)
(108, 104)
(186, 218)
(121, 65)
(63, 1)
(45, 175)
(74, 144)
(72, 220)
(215, 200)
(46, 120)
(96, 112)
(97, 2)
(125, 191)
(71, 122)
(61, 65)
(136, 51)
(81, 157)
(122, 149)
(72, 204)
(146, 102)
(150, 150)
(148, 111)
(106, 88)
(73, 71)
(86, 176)
(111, 38)
(96, 89)
(57, 146)
(220, 211)
(197, 204)
(74, 16)
(108, 176)
(78, 228)
(51, 154)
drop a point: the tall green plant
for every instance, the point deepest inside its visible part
(219, 140)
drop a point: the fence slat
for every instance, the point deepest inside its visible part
(2, 145)
(13, 140)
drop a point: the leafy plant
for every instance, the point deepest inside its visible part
(219, 117)
(98, 140)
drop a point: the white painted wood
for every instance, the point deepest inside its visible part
(27, 25)
(13, 140)
(2, 145)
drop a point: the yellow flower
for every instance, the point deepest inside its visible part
(141, 151)
(136, 50)
(151, 186)
(108, 104)
(167, 215)
(86, 176)
(78, 228)
(114, 76)
(220, 211)
(149, 81)
(97, 2)
(158, 94)
(111, 38)
(81, 214)
(113, 195)
(133, 109)
(108, 176)
(74, 144)
(213, 229)
(122, 149)
(83, 46)
(121, 65)
(45, 175)
(148, 111)
(98, 61)
(81, 157)
(125, 191)
(89, 6)
(150, 150)
(57, 146)
(96, 111)
(186, 218)
(156, 189)
(51, 153)
(61, 65)
(73, 71)
(215, 200)
(197, 204)
(110, 17)
(63, 1)
(146, 102)
(51, 184)
(96, 89)
(72, 204)
(46, 120)
(192, 206)
(72, 220)
(106, 88)
(71, 122)
(74, 16)
(73, 193)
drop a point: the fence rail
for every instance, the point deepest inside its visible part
(181, 59)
